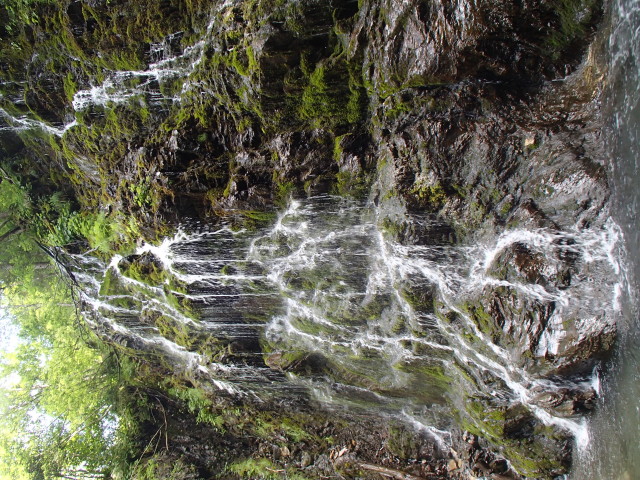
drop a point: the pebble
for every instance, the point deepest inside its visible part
(305, 461)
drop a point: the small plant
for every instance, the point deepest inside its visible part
(164, 467)
(260, 468)
(198, 403)
(142, 196)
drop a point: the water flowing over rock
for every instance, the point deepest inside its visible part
(396, 210)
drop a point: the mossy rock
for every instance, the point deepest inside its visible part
(145, 268)
(534, 449)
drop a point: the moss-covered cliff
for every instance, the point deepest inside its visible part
(477, 117)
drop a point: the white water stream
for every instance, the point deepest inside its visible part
(327, 282)
(166, 67)
(615, 453)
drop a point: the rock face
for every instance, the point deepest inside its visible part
(460, 120)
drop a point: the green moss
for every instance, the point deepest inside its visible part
(288, 360)
(397, 108)
(267, 425)
(227, 270)
(149, 273)
(402, 443)
(477, 213)
(399, 326)
(486, 422)
(283, 191)
(533, 461)
(317, 103)
(164, 467)
(255, 468)
(431, 383)
(70, 86)
(391, 227)
(176, 331)
(430, 196)
(484, 321)
(505, 208)
(337, 146)
(536, 454)
(259, 217)
(572, 21)
(420, 298)
(331, 96)
(198, 403)
(352, 184)
(264, 469)
(180, 303)
(110, 284)
(243, 60)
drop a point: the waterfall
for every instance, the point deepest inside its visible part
(167, 64)
(357, 318)
(478, 289)
(616, 427)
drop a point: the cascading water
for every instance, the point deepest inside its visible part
(364, 307)
(616, 427)
(358, 319)
(167, 64)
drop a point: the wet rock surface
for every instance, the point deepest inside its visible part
(466, 118)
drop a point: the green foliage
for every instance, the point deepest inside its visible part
(269, 426)
(197, 402)
(263, 469)
(485, 322)
(352, 184)
(283, 191)
(70, 86)
(572, 20)
(144, 269)
(163, 467)
(432, 196)
(330, 98)
(100, 232)
(14, 198)
(51, 221)
(260, 468)
(21, 12)
(142, 194)
(244, 61)
(59, 410)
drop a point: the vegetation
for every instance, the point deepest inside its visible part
(276, 104)
(20, 12)
(61, 403)
(573, 19)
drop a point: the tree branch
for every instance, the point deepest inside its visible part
(11, 232)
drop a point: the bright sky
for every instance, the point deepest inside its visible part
(8, 342)
(8, 332)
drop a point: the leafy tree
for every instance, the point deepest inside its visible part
(61, 393)
(59, 410)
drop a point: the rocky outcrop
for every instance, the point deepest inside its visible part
(459, 120)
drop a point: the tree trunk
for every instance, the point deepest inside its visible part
(10, 233)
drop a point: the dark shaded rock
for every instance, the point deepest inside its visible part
(144, 267)
(305, 460)
(473, 117)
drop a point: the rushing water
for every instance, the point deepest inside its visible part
(330, 303)
(357, 318)
(616, 452)
(168, 63)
